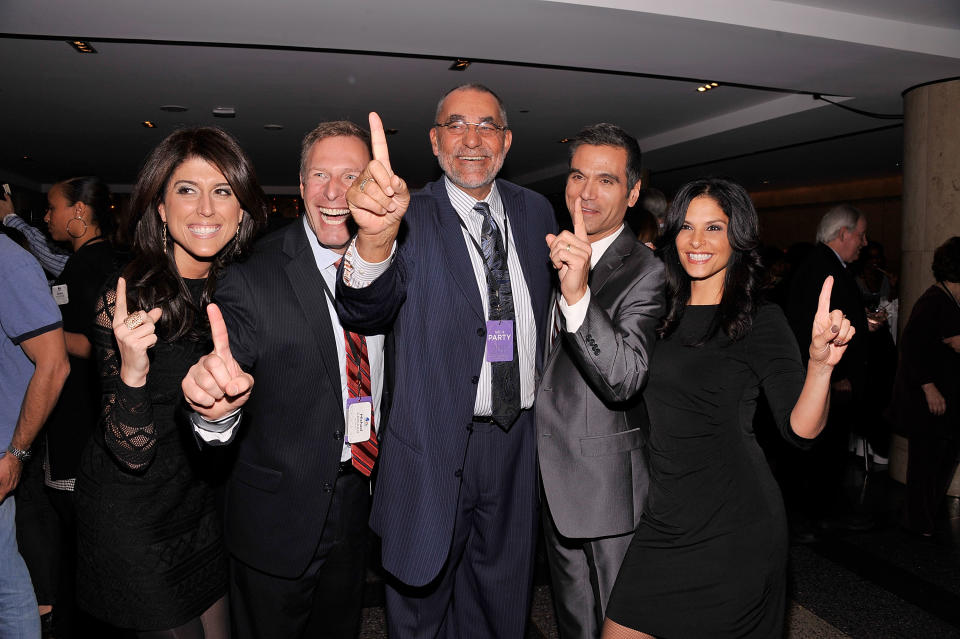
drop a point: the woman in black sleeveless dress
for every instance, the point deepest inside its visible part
(708, 558)
(151, 554)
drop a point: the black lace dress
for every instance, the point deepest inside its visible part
(150, 544)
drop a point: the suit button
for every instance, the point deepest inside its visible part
(547, 435)
(480, 332)
(327, 488)
(338, 434)
(474, 379)
(458, 473)
(470, 427)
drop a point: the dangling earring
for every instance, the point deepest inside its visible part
(236, 237)
(76, 218)
(164, 238)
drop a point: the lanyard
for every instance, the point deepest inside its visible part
(476, 245)
(354, 354)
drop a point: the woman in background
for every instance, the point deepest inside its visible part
(150, 540)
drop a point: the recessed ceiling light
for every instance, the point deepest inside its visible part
(563, 140)
(224, 112)
(391, 131)
(714, 84)
(459, 65)
(173, 108)
(273, 127)
(81, 46)
(701, 89)
(149, 124)
(524, 110)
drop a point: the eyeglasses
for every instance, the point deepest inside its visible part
(484, 129)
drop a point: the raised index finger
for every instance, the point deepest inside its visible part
(120, 308)
(823, 305)
(218, 331)
(378, 141)
(579, 229)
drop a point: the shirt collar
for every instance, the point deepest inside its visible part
(324, 257)
(463, 203)
(600, 246)
(837, 254)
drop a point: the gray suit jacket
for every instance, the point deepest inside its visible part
(591, 420)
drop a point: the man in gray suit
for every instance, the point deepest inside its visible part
(591, 420)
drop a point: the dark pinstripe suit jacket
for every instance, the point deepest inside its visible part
(431, 292)
(290, 441)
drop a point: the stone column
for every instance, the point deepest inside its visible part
(931, 183)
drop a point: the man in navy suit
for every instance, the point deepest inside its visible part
(466, 293)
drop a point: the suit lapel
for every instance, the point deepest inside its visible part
(520, 229)
(612, 259)
(454, 248)
(305, 279)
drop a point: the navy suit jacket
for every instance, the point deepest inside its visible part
(430, 298)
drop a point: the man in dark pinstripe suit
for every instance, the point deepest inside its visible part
(296, 505)
(456, 499)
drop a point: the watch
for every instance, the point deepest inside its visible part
(22, 455)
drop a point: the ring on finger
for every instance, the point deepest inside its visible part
(133, 320)
(567, 246)
(363, 183)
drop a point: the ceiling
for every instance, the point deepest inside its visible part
(558, 65)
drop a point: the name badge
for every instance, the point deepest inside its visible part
(500, 341)
(359, 419)
(60, 294)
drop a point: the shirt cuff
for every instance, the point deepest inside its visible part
(573, 315)
(220, 430)
(358, 273)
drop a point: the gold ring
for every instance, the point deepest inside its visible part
(363, 183)
(134, 320)
(567, 246)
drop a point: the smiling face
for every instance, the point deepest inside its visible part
(202, 215)
(704, 248)
(470, 160)
(332, 166)
(598, 177)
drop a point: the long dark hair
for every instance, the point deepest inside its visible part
(95, 194)
(742, 279)
(152, 277)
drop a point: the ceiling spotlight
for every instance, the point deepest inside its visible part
(173, 108)
(701, 89)
(714, 84)
(148, 124)
(273, 127)
(563, 140)
(224, 112)
(81, 46)
(459, 65)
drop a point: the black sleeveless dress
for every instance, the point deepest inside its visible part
(150, 541)
(708, 558)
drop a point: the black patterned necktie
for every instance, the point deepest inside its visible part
(505, 382)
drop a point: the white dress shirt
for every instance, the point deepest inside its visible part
(574, 314)
(362, 273)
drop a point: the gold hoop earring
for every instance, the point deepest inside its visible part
(164, 238)
(76, 219)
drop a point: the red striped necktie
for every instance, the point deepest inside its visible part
(358, 385)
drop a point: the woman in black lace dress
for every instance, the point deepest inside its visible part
(151, 554)
(708, 558)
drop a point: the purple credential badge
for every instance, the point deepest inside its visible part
(500, 340)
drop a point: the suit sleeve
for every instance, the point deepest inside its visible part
(613, 351)
(236, 302)
(372, 309)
